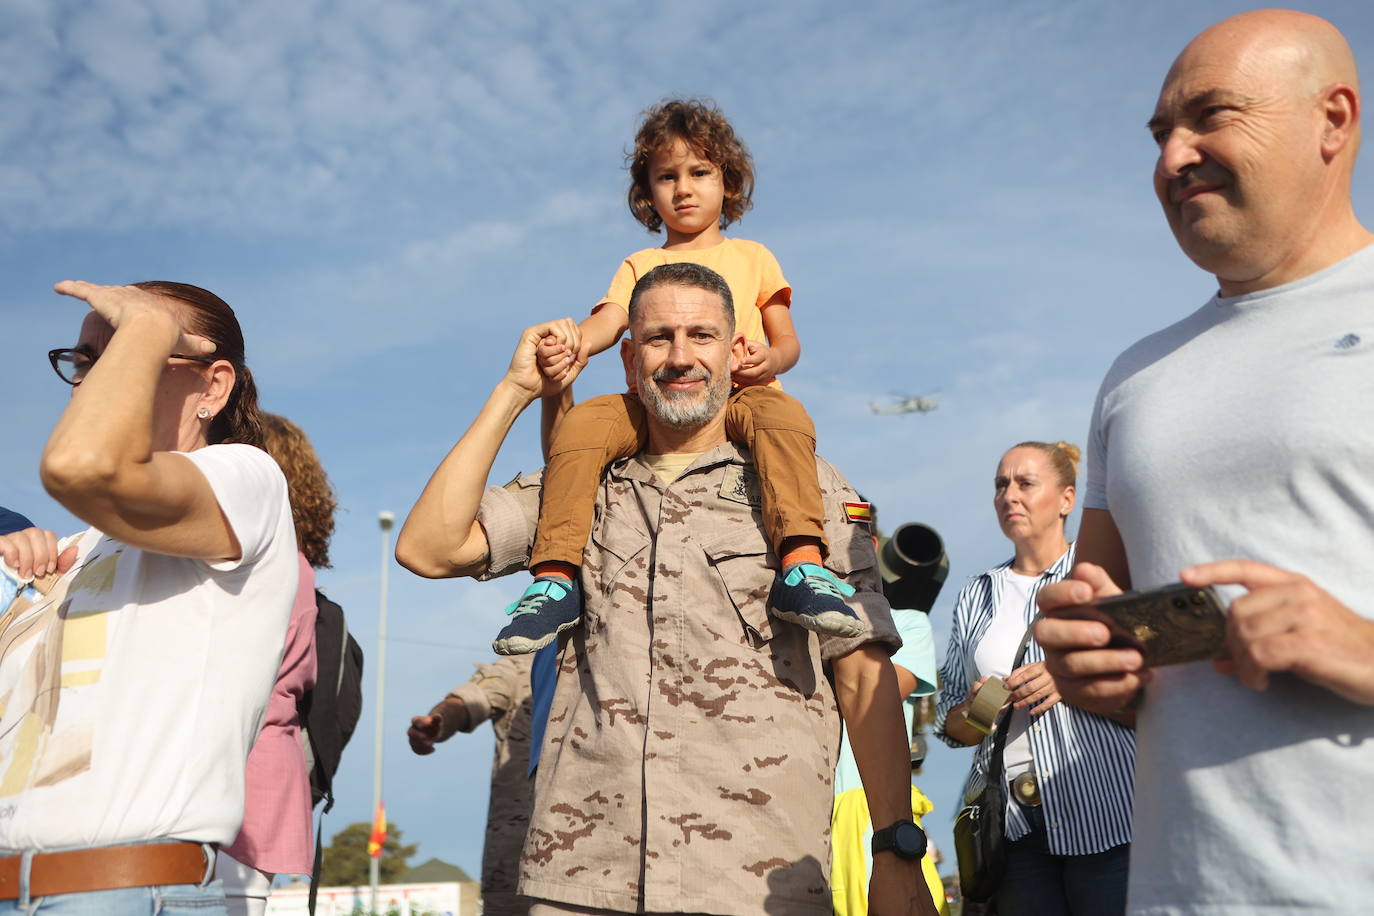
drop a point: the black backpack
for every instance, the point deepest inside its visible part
(329, 711)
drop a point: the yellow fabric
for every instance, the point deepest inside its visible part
(849, 859)
(669, 467)
(750, 270)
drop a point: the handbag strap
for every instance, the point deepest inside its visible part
(1000, 731)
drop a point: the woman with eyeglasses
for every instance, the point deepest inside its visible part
(134, 677)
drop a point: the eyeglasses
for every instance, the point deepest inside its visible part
(71, 365)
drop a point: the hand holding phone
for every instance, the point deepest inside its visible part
(1169, 625)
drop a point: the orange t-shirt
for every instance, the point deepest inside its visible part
(749, 269)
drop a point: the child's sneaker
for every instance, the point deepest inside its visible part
(810, 596)
(549, 606)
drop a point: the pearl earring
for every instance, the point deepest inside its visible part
(203, 413)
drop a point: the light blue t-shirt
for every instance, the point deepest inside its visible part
(1247, 430)
(916, 655)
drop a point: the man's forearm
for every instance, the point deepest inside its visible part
(866, 690)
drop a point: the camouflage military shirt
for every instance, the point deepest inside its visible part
(500, 692)
(692, 740)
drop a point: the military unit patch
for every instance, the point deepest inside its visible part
(741, 485)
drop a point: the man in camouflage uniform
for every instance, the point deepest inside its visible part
(499, 692)
(692, 739)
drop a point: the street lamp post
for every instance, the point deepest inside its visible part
(384, 520)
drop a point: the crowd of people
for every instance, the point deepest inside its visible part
(703, 699)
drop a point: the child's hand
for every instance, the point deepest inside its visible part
(756, 367)
(559, 354)
(553, 356)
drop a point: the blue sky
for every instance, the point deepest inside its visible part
(388, 192)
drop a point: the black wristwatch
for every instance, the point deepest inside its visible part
(904, 838)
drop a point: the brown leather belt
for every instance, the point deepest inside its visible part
(105, 868)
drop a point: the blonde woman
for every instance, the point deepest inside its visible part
(1068, 773)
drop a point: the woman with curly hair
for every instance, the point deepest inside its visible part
(276, 837)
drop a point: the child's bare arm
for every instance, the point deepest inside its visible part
(602, 328)
(767, 361)
(784, 347)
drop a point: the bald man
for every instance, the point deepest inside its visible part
(1234, 449)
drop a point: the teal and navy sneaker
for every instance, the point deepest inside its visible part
(549, 606)
(811, 597)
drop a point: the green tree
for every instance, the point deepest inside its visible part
(346, 861)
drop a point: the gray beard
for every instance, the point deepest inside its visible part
(680, 410)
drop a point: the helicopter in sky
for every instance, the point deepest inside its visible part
(905, 404)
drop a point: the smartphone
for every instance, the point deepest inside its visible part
(1169, 625)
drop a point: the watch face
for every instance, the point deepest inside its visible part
(910, 840)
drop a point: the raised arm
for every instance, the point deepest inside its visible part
(111, 459)
(441, 537)
(602, 329)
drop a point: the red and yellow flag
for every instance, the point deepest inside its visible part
(377, 838)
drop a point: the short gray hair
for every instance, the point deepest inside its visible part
(685, 273)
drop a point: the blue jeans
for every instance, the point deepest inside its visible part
(1039, 883)
(161, 900)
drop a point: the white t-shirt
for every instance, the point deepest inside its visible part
(1247, 430)
(994, 656)
(131, 693)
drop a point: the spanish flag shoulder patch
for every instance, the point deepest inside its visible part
(859, 512)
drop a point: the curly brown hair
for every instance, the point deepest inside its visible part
(703, 127)
(308, 487)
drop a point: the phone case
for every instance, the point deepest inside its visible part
(1170, 625)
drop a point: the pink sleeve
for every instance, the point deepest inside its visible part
(297, 672)
(276, 831)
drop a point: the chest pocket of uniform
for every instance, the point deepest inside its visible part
(616, 545)
(745, 565)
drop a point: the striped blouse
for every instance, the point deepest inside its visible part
(1085, 763)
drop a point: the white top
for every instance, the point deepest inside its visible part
(1247, 430)
(131, 693)
(994, 656)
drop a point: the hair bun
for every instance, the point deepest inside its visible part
(1072, 452)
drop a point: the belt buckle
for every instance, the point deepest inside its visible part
(1025, 788)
